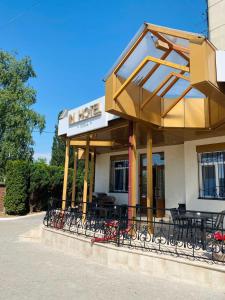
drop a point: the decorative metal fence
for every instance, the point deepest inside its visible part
(194, 234)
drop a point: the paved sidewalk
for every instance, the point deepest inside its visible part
(28, 270)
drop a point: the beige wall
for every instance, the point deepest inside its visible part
(191, 177)
(216, 14)
(102, 176)
(181, 176)
(174, 175)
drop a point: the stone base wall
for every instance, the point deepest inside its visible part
(154, 264)
(2, 194)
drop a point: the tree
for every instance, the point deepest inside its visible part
(58, 148)
(17, 118)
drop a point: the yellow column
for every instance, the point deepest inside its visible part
(91, 176)
(149, 180)
(134, 172)
(85, 181)
(74, 177)
(65, 180)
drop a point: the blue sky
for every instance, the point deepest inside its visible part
(72, 44)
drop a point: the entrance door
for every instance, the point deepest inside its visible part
(158, 183)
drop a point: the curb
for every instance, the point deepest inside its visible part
(22, 217)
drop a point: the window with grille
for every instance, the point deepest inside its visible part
(119, 174)
(212, 175)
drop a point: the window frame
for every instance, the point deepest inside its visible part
(113, 160)
(216, 172)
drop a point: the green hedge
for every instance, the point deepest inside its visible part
(17, 181)
(30, 186)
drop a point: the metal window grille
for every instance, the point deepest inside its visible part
(211, 175)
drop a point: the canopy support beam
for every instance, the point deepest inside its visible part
(65, 180)
(161, 85)
(75, 156)
(85, 188)
(132, 188)
(177, 100)
(141, 66)
(81, 143)
(149, 181)
(92, 171)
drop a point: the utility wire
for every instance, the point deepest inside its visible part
(34, 130)
(13, 19)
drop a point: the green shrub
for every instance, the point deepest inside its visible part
(17, 180)
(39, 186)
(29, 187)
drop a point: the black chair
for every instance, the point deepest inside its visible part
(217, 223)
(181, 226)
(181, 208)
(175, 215)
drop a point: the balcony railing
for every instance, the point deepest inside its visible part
(195, 234)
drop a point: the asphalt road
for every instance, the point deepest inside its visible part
(29, 270)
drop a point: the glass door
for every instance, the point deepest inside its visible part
(158, 183)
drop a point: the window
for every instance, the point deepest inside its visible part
(119, 174)
(212, 175)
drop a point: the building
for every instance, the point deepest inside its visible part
(157, 138)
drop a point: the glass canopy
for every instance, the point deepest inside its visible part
(169, 81)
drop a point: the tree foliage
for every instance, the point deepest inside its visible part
(58, 149)
(18, 119)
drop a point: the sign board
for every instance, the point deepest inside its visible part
(88, 117)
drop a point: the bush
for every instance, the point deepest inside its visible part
(17, 180)
(30, 186)
(39, 186)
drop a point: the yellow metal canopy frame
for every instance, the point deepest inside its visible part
(167, 78)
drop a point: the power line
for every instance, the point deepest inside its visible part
(16, 17)
(34, 130)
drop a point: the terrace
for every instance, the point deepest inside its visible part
(191, 234)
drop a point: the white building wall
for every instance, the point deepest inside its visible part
(174, 175)
(191, 177)
(216, 11)
(102, 176)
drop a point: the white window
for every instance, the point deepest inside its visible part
(119, 175)
(212, 175)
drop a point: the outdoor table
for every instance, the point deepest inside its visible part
(197, 216)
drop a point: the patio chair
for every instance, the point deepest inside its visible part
(175, 215)
(180, 226)
(219, 221)
(217, 224)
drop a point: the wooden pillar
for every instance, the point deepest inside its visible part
(132, 154)
(134, 172)
(75, 154)
(149, 180)
(92, 171)
(65, 180)
(84, 210)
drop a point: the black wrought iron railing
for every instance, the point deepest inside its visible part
(193, 234)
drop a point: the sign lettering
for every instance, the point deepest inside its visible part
(85, 113)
